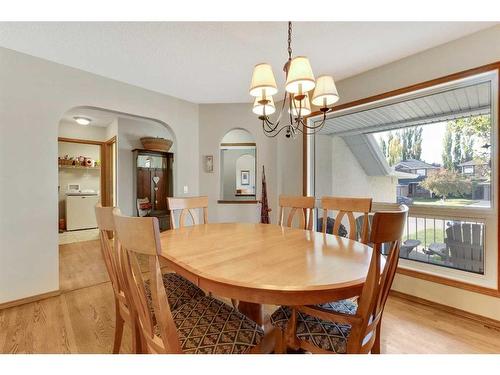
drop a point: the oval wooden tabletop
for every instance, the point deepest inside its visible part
(266, 263)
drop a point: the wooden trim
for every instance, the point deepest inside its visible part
(107, 174)
(152, 152)
(404, 90)
(449, 282)
(498, 184)
(222, 201)
(415, 87)
(102, 154)
(104, 170)
(239, 144)
(84, 141)
(30, 299)
(488, 322)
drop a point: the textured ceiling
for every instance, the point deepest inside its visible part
(211, 62)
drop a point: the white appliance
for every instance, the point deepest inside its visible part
(80, 209)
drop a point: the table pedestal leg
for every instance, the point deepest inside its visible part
(252, 310)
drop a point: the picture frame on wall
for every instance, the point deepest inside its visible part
(245, 177)
(208, 163)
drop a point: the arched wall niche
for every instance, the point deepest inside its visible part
(238, 154)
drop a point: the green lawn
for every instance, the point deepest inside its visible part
(447, 202)
(428, 234)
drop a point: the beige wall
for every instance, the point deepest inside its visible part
(215, 121)
(350, 179)
(472, 51)
(90, 133)
(34, 95)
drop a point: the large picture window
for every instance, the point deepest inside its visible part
(434, 150)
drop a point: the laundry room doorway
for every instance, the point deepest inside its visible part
(85, 178)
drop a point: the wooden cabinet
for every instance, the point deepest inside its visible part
(153, 179)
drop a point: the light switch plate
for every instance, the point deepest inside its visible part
(186, 190)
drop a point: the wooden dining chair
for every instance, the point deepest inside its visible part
(185, 206)
(324, 331)
(347, 206)
(302, 207)
(179, 289)
(104, 217)
(204, 325)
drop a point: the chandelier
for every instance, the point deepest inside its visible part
(300, 82)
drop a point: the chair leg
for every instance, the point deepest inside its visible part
(376, 343)
(119, 323)
(279, 342)
(136, 337)
(235, 303)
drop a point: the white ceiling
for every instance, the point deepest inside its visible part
(211, 62)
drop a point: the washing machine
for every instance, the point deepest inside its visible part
(80, 209)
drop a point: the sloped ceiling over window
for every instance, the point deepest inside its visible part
(468, 97)
(368, 153)
(468, 100)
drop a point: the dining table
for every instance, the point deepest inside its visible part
(260, 264)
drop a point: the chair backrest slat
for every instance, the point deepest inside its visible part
(186, 207)
(297, 205)
(387, 227)
(109, 249)
(465, 243)
(347, 206)
(141, 236)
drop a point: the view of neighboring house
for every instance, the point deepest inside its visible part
(415, 171)
(478, 170)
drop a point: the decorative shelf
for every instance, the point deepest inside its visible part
(77, 167)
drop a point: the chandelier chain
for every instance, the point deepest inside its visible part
(289, 40)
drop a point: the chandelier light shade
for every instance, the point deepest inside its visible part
(263, 82)
(301, 107)
(300, 77)
(325, 93)
(258, 107)
(299, 86)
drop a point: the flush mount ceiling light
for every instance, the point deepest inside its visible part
(82, 120)
(300, 82)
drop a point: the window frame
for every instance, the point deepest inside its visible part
(452, 278)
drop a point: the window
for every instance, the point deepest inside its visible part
(468, 170)
(434, 150)
(238, 160)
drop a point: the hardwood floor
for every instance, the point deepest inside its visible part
(81, 265)
(81, 319)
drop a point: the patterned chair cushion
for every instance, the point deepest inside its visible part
(209, 326)
(344, 306)
(324, 334)
(179, 290)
